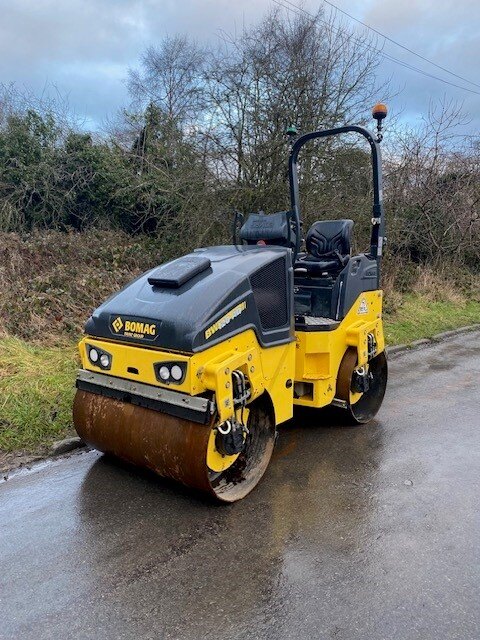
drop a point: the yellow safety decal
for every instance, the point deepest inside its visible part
(224, 320)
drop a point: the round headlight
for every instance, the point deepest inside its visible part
(93, 355)
(176, 372)
(104, 360)
(164, 373)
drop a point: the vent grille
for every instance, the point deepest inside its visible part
(269, 286)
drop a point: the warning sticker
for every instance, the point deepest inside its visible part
(363, 308)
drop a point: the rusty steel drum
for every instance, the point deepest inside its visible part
(174, 447)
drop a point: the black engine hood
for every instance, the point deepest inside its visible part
(191, 303)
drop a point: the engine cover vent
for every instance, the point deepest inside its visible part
(269, 286)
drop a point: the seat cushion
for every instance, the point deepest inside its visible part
(328, 244)
(317, 267)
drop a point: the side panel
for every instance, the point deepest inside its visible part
(360, 274)
(319, 353)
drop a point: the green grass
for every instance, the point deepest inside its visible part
(36, 393)
(417, 318)
(37, 382)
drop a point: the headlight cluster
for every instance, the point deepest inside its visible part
(170, 372)
(99, 357)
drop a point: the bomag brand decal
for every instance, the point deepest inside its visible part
(117, 324)
(226, 319)
(134, 328)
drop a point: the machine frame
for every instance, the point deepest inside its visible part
(189, 369)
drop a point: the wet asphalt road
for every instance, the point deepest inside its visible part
(369, 532)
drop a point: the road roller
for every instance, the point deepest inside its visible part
(190, 368)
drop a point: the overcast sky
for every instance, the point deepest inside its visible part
(85, 47)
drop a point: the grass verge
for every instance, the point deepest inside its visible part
(37, 382)
(36, 393)
(417, 318)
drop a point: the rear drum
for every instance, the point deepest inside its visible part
(362, 407)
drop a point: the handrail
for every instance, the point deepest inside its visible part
(378, 218)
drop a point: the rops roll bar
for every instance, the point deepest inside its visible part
(378, 217)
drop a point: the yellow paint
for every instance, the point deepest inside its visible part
(314, 357)
(139, 357)
(319, 353)
(210, 370)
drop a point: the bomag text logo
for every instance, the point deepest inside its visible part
(117, 324)
(224, 320)
(134, 328)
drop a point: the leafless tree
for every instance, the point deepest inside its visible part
(311, 72)
(171, 77)
(433, 190)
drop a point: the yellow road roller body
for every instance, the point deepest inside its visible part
(189, 369)
(269, 370)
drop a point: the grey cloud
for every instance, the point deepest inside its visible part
(86, 46)
(445, 31)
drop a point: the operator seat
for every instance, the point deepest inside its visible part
(328, 244)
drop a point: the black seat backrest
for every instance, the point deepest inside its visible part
(329, 238)
(272, 228)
